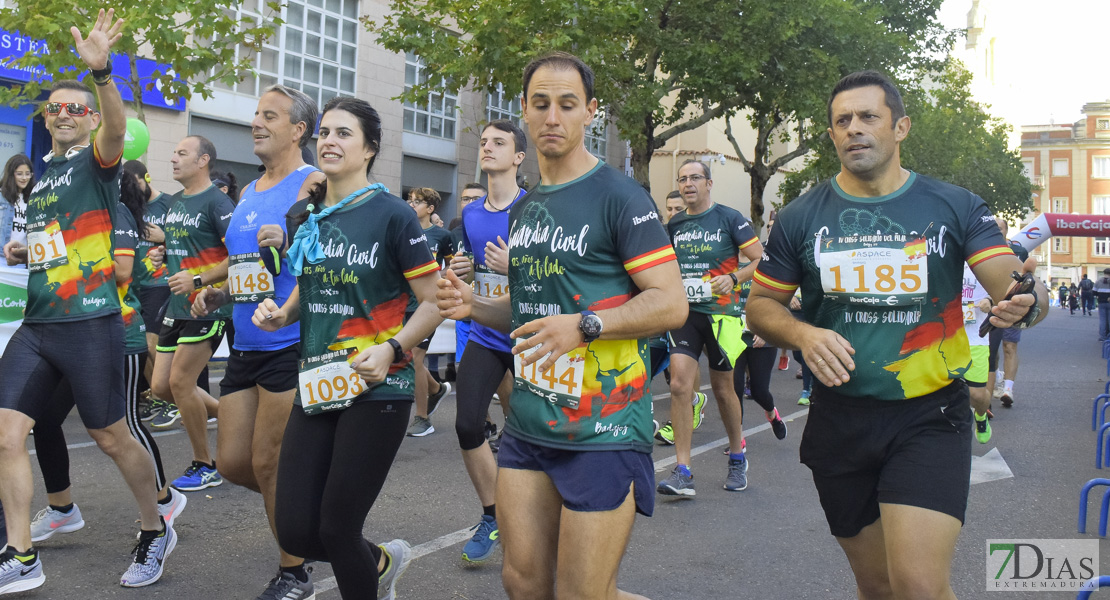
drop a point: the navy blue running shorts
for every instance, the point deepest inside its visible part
(588, 481)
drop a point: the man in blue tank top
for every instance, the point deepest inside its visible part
(258, 388)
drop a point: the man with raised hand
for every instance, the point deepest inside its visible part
(72, 328)
(878, 252)
(591, 276)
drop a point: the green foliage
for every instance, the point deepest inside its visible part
(197, 37)
(952, 138)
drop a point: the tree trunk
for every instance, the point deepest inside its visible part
(760, 175)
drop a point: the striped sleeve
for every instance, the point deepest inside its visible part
(422, 270)
(988, 253)
(773, 284)
(414, 256)
(125, 252)
(749, 243)
(649, 259)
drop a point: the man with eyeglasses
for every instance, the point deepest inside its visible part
(72, 326)
(708, 240)
(471, 192)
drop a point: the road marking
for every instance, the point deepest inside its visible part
(989, 467)
(464, 534)
(156, 434)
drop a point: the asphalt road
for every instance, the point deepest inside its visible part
(770, 541)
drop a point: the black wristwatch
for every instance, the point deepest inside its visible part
(590, 326)
(197, 283)
(398, 352)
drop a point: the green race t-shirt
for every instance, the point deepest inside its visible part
(195, 228)
(574, 247)
(155, 215)
(887, 274)
(708, 244)
(69, 240)
(356, 297)
(127, 238)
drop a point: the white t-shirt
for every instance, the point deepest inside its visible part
(973, 317)
(19, 221)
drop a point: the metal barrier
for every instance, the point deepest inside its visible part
(1095, 582)
(1083, 494)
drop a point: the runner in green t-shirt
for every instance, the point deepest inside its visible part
(591, 276)
(359, 255)
(196, 221)
(708, 239)
(878, 252)
(73, 328)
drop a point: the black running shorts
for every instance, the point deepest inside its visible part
(863, 452)
(273, 370)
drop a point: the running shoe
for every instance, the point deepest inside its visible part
(743, 446)
(433, 399)
(665, 434)
(420, 427)
(197, 477)
(778, 425)
(490, 430)
(495, 441)
(737, 479)
(150, 555)
(699, 408)
(804, 399)
(678, 484)
(982, 428)
(286, 586)
(173, 508)
(784, 362)
(747, 390)
(1007, 398)
(17, 575)
(147, 403)
(484, 543)
(400, 555)
(167, 417)
(49, 521)
(798, 373)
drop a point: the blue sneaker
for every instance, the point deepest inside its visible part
(197, 477)
(484, 543)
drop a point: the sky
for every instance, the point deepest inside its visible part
(1049, 55)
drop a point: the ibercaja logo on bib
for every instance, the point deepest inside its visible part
(1041, 565)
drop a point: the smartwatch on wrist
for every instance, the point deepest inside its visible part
(398, 352)
(197, 283)
(590, 326)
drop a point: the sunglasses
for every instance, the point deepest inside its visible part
(74, 109)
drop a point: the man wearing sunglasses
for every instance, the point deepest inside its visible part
(72, 327)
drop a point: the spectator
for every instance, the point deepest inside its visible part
(15, 186)
(1102, 292)
(1087, 295)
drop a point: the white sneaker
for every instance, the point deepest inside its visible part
(170, 510)
(49, 521)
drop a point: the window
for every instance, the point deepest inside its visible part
(1060, 245)
(1059, 167)
(315, 51)
(596, 134)
(1100, 205)
(1102, 124)
(1027, 168)
(1101, 247)
(1100, 167)
(1059, 205)
(437, 117)
(500, 105)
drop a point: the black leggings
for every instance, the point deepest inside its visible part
(331, 470)
(50, 441)
(759, 362)
(480, 373)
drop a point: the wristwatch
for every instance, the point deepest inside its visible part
(197, 283)
(590, 326)
(398, 352)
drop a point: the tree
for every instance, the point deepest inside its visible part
(952, 138)
(668, 66)
(198, 38)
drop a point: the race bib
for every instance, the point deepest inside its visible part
(970, 312)
(491, 285)
(697, 290)
(333, 385)
(46, 248)
(248, 280)
(561, 384)
(875, 276)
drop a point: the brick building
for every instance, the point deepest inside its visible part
(1069, 166)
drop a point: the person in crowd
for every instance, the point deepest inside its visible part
(15, 186)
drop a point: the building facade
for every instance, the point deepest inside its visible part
(1069, 166)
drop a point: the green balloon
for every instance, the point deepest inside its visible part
(136, 140)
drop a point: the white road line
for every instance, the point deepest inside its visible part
(464, 534)
(179, 431)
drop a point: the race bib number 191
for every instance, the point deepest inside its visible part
(560, 384)
(46, 248)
